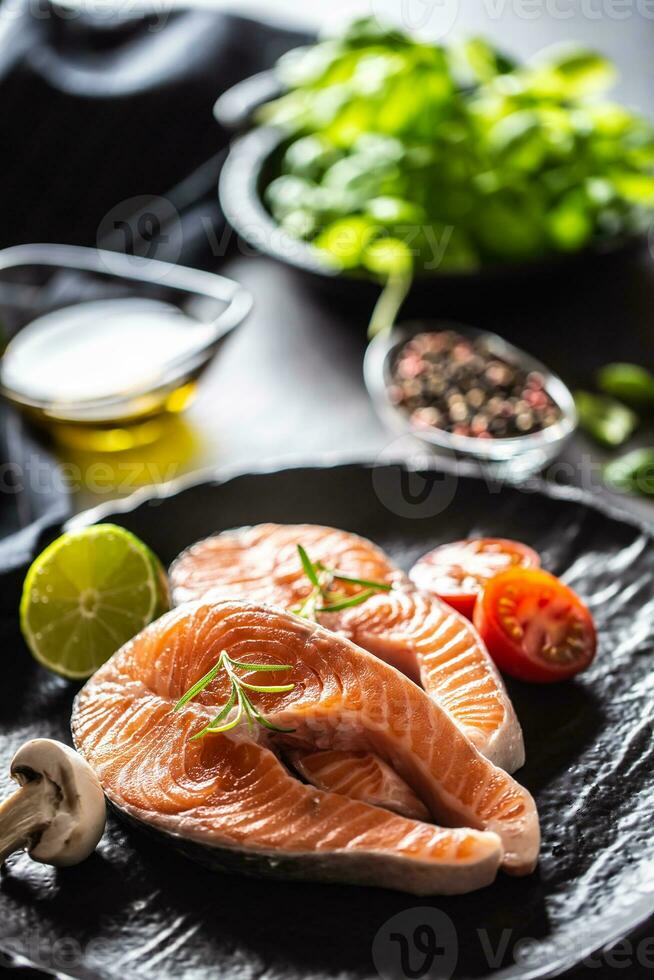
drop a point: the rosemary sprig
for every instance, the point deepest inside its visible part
(311, 570)
(366, 582)
(323, 580)
(336, 603)
(238, 697)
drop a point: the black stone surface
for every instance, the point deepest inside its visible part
(138, 909)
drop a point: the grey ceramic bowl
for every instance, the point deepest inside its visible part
(253, 162)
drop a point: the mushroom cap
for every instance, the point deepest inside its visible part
(73, 832)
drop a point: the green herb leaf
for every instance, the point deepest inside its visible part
(390, 301)
(247, 707)
(238, 694)
(457, 152)
(633, 472)
(392, 261)
(354, 600)
(200, 685)
(269, 724)
(388, 257)
(344, 240)
(367, 583)
(243, 665)
(308, 566)
(635, 187)
(264, 688)
(214, 725)
(307, 608)
(322, 578)
(227, 708)
(629, 382)
(568, 71)
(605, 419)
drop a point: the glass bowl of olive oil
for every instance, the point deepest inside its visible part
(99, 344)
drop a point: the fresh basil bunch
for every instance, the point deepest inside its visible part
(459, 152)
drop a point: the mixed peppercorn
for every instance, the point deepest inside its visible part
(446, 381)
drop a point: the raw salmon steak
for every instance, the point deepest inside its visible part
(230, 800)
(419, 634)
(361, 776)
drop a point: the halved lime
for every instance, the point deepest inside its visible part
(88, 593)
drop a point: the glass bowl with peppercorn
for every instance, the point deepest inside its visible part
(470, 394)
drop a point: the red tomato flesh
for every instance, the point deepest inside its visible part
(535, 627)
(457, 572)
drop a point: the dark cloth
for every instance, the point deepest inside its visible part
(97, 111)
(104, 117)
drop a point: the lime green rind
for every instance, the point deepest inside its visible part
(125, 585)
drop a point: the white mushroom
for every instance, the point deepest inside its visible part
(59, 813)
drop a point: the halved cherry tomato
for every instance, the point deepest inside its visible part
(456, 572)
(535, 627)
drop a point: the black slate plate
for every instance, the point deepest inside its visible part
(136, 909)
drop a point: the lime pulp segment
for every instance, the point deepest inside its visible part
(87, 594)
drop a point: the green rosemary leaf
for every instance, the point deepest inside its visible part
(224, 712)
(368, 583)
(269, 724)
(354, 600)
(332, 597)
(273, 728)
(308, 567)
(198, 735)
(270, 667)
(213, 727)
(307, 608)
(272, 689)
(199, 685)
(247, 707)
(322, 578)
(218, 729)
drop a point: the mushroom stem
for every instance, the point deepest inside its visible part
(24, 816)
(58, 813)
